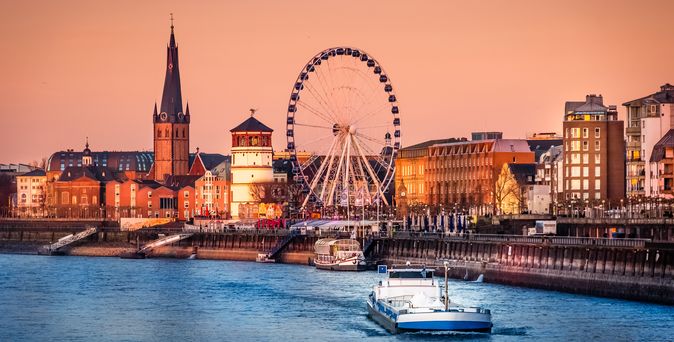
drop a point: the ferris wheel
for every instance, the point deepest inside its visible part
(343, 129)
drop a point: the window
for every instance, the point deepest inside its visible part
(586, 171)
(596, 132)
(186, 204)
(585, 132)
(597, 184)
(586, 145)
(149, 194)
(575, 145)
(149, 204)
(586, 158)
(597, 158)
(596, 145)
(159, 133)
(575, 132)
(586, 184)
(575, 171)
(575, 184)
(186, 194)
(597, 171)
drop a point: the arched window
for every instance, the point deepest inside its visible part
(167, 133)
(255, 140)
(183, 132)
(158, 133)
(250, 141)
(242, 141)
(176, 133)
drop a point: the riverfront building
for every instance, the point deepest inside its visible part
(31, 193)
(594, 151)
(251, 166)
(456, 173)
(648, 120)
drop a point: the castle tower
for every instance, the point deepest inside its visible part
(171, 124)
(251, 166)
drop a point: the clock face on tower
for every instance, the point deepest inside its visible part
(402, 194)
(163, 116)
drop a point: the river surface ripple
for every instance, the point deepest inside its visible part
(110, 299)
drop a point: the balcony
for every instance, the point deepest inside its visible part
(633, 130)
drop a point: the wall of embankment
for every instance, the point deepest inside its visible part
(645, 274)
(241, 246)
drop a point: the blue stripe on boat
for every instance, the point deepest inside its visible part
(444, 325)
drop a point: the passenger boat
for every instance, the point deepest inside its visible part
(410, 300)
(339, 255)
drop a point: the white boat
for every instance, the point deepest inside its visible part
(410, 300)
(339, 255)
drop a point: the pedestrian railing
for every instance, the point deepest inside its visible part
(550, 240)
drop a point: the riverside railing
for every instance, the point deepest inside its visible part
(549, 240)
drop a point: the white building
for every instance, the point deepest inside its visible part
(251, 166)
(649, 118)
(31, 193)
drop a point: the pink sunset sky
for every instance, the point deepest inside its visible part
(73, 69)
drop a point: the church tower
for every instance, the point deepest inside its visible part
(171, 124)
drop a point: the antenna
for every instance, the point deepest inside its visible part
(171, 21)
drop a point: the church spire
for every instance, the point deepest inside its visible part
(171, 101)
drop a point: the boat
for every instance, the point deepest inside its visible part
(339, 255)
(410, 300)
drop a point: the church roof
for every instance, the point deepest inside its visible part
(99, 173)
(251, 125)
(139, 161)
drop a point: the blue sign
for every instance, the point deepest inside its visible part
(382, 269)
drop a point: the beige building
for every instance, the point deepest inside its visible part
(251, 167)
(31, 193)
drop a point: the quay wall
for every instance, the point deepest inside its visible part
(645, 274)
(240, 246)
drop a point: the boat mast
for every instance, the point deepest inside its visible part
(446, 284)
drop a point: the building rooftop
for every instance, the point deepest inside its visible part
(434, 142)
(667, 141)
(251, 125)
(665, 95)
(99, 173)
(35, 173)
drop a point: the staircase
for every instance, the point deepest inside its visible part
(367, 246)
(67, 240)
(271, 254)
(162, 242)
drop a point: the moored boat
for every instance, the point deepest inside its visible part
(410, 300)
(339, 255)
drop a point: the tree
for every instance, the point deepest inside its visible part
(507, 192)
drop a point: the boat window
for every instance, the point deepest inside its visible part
(411, 274)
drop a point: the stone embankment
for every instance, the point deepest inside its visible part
(643, 271)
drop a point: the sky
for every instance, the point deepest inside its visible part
(76, 69)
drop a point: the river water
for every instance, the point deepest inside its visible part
(110, 299)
